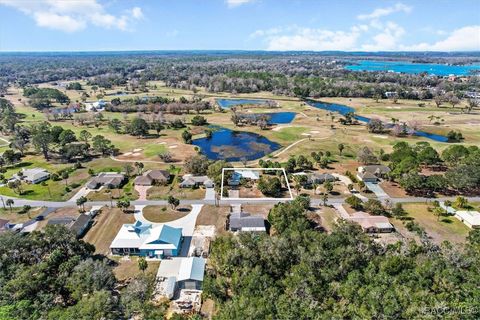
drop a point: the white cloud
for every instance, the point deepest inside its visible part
(71, 16)
(312, 39)
(382, 12)
(236, 3)
(463, 39)
(387, 39)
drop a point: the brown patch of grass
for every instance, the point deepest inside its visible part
(393, 189)
(65, 212)
(257, 209)
(162, 214)
(15, 217)
(212, 215)
(127, 268)
(105, 227)
(162, 193)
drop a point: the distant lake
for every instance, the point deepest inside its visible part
(229, 145)
(343, 109)
(228, 103)
(273, 117)
(412, 68)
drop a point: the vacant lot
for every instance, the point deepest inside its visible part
(163, 192)
(127, 267)
(445, 228)
(162, 214)
(16, 216)
(105, 227)
(65, 212)
(212, 215)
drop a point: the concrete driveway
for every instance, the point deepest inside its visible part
(142, 192)
(210, 194)
(375, 188)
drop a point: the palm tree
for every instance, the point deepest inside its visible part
(9, 203)
(325, 198)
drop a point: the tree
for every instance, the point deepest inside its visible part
(438, 99)
(138, 127)
(340, 147)
(81, 202)
(354, 202)
(139, 166)
(187, 137)
(398, 211)
(375, 126)
(42, 138)
(85, 136)
(128, 169)
(102, 145)
(65, 177)
(270, 186)
(142, 264)
(461, 202)
(123, 204)
(9, 203)
(366, 156)
(374, 207)
(199, 121)
(328, 186)
(197, 165)
(174, 202)
(115, 125)
(325, 198)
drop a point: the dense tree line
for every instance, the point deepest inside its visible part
(299, 273)
(52, 275)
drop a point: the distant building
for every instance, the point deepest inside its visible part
(470, 218)
(95, 106)
(243, 174)
(110, 180)
(153, 177)
(245, 222)
(190, 181)
(33, 176)
(372, 224)
(143, 239)
(391, 94)
(372, 173)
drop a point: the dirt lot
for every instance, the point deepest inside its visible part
(257, 209)
(128, 267)
(15, 217)
(105, 227)
(162, 214)
(393, 189)
(212, 215)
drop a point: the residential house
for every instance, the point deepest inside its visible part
(95, 106)
(470, 218)
(153, 177)
(190, 181)
(33, 175)
(110, 180)
(64, 221)
(146, 240)
(243, 174)
(245, 222)
(372, 224)
(319, 178)
(81, 224)
(372, 173)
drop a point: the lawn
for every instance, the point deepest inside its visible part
(445, 228)
(105, 227)
(329, 217)
(15, 216)
(163, 192)
(161, 214)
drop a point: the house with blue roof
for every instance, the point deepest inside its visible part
(146, 240)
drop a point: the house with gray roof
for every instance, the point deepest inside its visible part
(245, 222)
(110, 180)
(372, 173)
(319, 178)
(153, 177)
(33, 175)
(190, 181)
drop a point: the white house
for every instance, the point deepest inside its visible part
(33, 176)
(470, 218)
(95, 106)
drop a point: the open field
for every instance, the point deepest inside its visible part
(212, 215)
(444, 228)
(15, 216)
(127, 267)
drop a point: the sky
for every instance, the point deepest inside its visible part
(279, 25)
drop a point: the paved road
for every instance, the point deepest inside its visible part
(60, 204)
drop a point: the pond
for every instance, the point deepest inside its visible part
(343, 109)
(272, 117)
(228, 103)
(229, 145)
(412, 68)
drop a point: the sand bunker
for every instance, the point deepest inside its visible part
(137, 150)
(173, 147)
(135, 154)
(127, 153)
(381, 137)
(280, 128)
